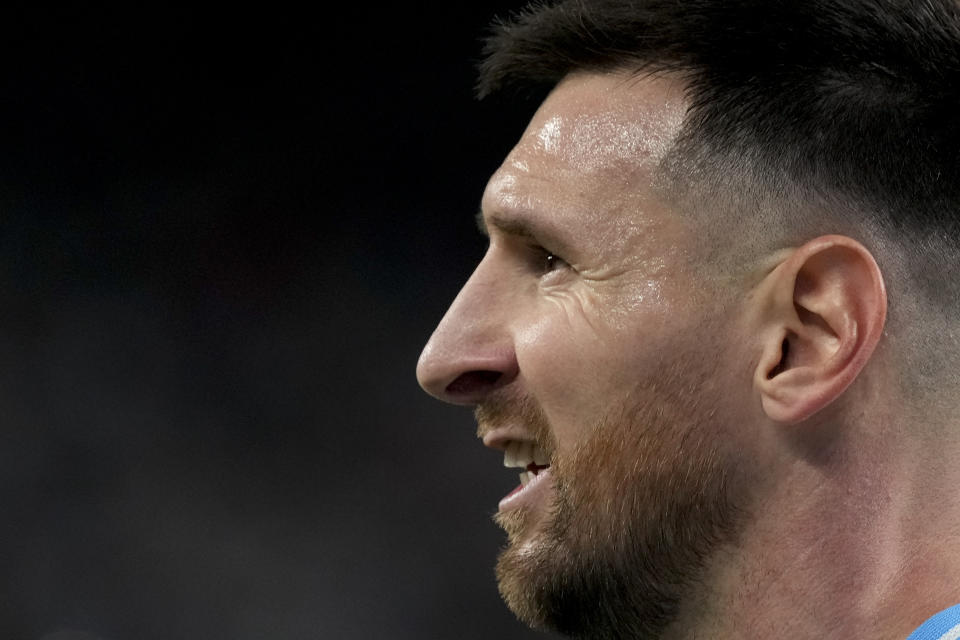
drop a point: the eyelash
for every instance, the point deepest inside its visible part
(549, 261)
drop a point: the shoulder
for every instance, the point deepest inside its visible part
(943, 626)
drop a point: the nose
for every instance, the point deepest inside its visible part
(471, 351)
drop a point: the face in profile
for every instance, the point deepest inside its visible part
(598, 360)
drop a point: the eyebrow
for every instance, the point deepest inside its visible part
(508, 225)
(481, 223)
(520, 227)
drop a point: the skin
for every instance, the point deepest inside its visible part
(591, 328)
(617, 251)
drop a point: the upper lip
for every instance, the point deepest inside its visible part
(500, 438)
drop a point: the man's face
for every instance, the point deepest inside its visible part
(596, 355)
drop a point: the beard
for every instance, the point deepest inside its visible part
(637, 510)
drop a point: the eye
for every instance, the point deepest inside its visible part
(552, 262)
(549, 261)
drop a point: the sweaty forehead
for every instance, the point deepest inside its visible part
(601, 122)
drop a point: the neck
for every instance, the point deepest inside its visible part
(863, 543)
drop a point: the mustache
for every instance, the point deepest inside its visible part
(500, 411)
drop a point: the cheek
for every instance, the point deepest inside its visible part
(577, 366)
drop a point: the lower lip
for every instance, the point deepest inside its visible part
(529, 495)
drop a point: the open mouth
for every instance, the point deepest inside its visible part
(528, 456)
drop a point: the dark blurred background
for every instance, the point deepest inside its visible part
(224, 239)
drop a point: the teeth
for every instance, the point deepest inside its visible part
(540, 457)
(510, 455)
(522, 454)
(525, 478)
(525, 454)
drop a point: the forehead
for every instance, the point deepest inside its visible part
(596, 138)
(596, 122)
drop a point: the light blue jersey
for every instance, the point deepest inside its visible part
(943, 626)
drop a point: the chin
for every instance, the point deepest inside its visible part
(617, 553)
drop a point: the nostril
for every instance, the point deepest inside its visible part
(473, 382)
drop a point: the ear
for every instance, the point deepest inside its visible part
(822, 313)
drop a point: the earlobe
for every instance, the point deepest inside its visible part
(823, 312)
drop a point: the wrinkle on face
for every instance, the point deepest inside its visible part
(609, 350)
(584, 170)
(579, 305)
(586, 161)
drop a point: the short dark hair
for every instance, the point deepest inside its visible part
(859, 99)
